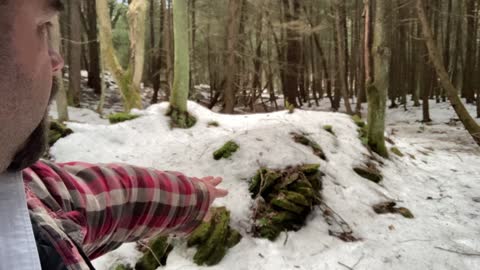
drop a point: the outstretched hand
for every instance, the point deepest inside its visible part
(215, 193)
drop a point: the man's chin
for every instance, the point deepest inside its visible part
(32, 150)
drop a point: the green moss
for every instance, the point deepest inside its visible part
(290, 107)
(123, 267)
(200, 234)
(296, 198)
(289, 179)
(310, 168)
(269, 180)
(304, 140)
(226, 150)
(369, 173)
(213, 124)
(255, 183)
(161, 248)
(212, 250)
(233, 238)
(121, 117)
(268, 230)
(329, 129)
(281, 202)
(396, 151)
(358, 121)
(316, 180)
(405, 212)
(288, 200)
(301, 184)
(180, 119)
(57, 131)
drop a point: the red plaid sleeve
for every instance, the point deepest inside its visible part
(117, 203)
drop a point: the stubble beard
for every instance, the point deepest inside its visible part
(36, 144)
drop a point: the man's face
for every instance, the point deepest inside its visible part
(27, 66)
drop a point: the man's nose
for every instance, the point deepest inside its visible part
(56, 60)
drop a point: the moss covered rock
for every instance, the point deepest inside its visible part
(283, 204)
(214, 238)
(213, 124)
(310, 169)
(304, 140)
(226, 150)
(296, 198)
(396, 151)
(233, 238)
(329, 129)
(369, 173)
(121, 117)
(389, 208)
(200, 235)
(155, 255)
(286, 204)
(405, 212)
(57, 131)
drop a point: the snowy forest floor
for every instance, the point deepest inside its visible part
(437, 179)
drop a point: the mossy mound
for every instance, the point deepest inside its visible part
(370, 172)
(226, 150)
(214, 238)
(121, 117)
(155, 255)
(329, 129)
(396, 151)
(57, 131)
(284, 198)
(389, 207)
(304, 140)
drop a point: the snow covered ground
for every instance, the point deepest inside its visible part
(438, 180)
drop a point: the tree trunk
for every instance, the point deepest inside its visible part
(342, 56)
(128, 81)
(233, 29)
(293, 55)
(378, 84)
(181, 82)
(468, 72)
(74, 92)
(137, 11)
(436, 58)
(93, 49)
(61, 98)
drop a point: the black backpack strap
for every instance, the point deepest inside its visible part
(84, 256)
(50, 259)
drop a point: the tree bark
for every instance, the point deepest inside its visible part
(181, 82)
(378, 83)
(74, 92)
(233, 29)
(342, 55)
(128, 80)
(93, 49)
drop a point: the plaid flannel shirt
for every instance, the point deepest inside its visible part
(102, 206)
